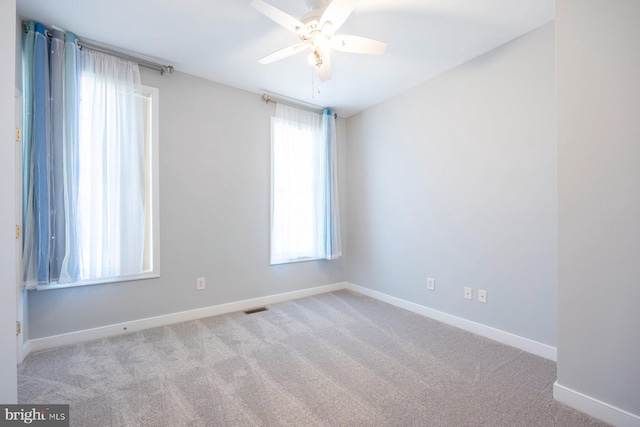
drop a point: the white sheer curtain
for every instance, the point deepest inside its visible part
(111, 207)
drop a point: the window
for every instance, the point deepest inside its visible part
(94, 185)
(304, 209)
(90, 165)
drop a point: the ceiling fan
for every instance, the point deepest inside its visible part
(316, 30)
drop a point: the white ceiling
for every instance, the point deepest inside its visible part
(222, 40)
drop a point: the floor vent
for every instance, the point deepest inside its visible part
(256, 310)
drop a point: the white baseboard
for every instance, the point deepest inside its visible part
(507, 338)
(168, 319)
(530, 346)
(594, 407)
(26, 349)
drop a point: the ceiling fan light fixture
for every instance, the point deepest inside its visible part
(322, 41)
(316, 58)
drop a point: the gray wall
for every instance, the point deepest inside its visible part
(214, 216)
(456, 180)
(599, 199)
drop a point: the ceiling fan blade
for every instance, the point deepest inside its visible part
(280, 17)
(357, 44)
(324, 70)
(337, 12)
(282, 53)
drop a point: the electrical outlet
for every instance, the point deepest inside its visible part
(431, 284)
(468, 293)
(200, 285)
(482, 296)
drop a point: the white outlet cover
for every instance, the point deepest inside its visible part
(482, 296)
(468, 293)
(431, 284)
(200, 283)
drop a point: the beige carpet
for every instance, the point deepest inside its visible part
(338, 359)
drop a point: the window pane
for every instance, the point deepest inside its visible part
(114, 198)
(296, 211)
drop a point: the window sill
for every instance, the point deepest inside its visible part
(133, 277)
(292, 261)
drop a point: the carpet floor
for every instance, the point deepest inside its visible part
(337, 359)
